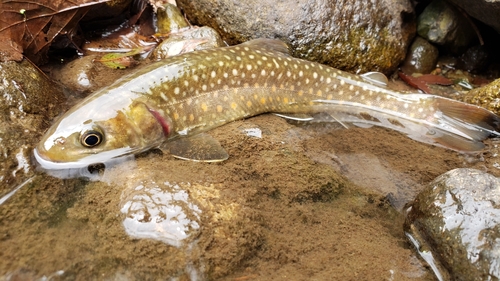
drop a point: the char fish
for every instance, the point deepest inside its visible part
(185, 95)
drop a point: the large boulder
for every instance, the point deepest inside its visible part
(356, 36)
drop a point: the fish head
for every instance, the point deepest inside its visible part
(87, 135)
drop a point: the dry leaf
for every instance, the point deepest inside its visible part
(422, 82)
(31, 26)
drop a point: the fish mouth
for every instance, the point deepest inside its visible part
(84, 162)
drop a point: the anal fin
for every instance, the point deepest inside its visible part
(201, 148)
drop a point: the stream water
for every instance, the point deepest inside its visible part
(292, 202)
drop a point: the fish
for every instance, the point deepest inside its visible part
(179, 98)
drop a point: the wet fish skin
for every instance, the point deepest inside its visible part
(195, 92)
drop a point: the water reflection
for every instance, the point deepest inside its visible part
(159, 211)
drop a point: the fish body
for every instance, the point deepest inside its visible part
(195, 92)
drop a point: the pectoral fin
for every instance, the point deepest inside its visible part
(200, 148)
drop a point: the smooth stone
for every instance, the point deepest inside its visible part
(455, 222)
(421, 58)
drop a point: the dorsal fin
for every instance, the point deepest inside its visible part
(376, 78)
(274, 45)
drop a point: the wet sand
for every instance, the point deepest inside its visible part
(301, 203)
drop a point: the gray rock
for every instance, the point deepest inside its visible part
(455, 221)
(443, 24)
(356, 36)
(487, 11)
(27, 101)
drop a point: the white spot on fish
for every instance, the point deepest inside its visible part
(249, 67)
(276, 63)
(235, 72)
(213, 74)
(177, 90)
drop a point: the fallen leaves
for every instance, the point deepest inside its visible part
(422, 82)
(29, 27)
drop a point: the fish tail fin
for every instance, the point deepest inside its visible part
(453, 124)
(468, 124)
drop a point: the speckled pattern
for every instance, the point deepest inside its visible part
(198, 91)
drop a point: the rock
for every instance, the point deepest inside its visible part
(170, 19)
(487, 96)
(475, 59)
(443, 24)
(355, 36)
(192, 39)
(28, 100)
(421, 57)
(456, 221)
(78, 75)
(487, 11)
(86, 74)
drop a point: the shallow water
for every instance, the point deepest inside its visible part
(298, 203)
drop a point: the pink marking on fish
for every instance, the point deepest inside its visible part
(164, 124)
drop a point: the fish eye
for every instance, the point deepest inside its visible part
(91, 138)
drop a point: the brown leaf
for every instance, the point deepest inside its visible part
(415, 83)
(422, 82)
(31, 26)
(435, 79)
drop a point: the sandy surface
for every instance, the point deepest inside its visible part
(300, 203)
